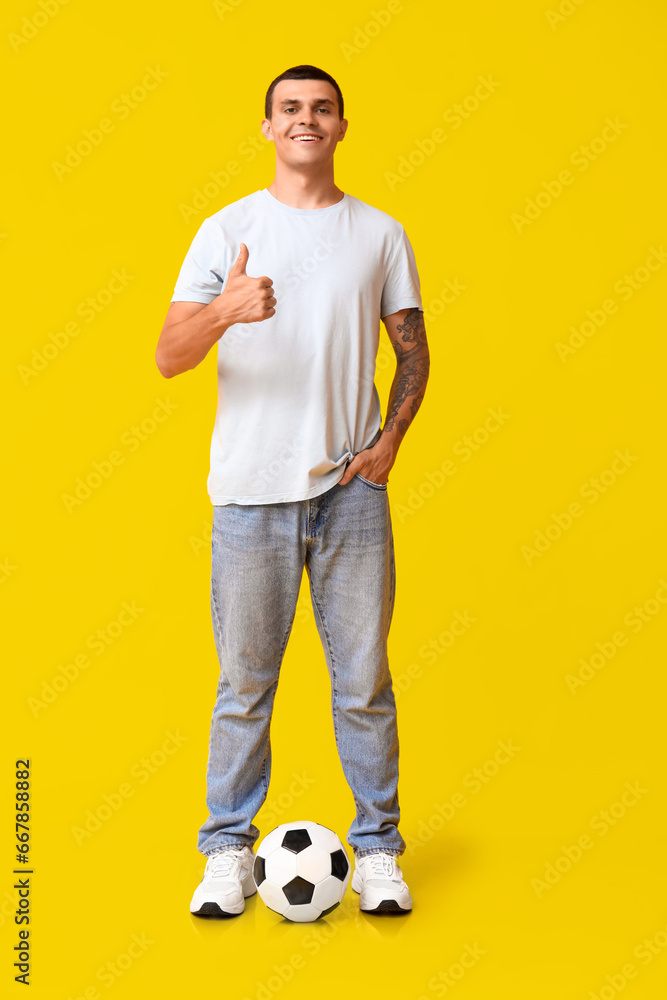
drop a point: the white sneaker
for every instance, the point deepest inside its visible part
(227, 880)
(380, 883)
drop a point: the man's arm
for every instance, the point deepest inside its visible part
(408, 338)
(192, 328)
(189, 332)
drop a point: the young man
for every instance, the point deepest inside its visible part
(291, 283)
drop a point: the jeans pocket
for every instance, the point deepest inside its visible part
(375, 486)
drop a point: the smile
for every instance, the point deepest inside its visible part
(306, 138)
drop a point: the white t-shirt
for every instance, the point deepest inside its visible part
(296, 392)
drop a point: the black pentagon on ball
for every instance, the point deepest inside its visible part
(329, 909)
(339, 864)
(299, 890)
(259, 870)
(296, 840)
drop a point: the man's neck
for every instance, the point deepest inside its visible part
(305, 191)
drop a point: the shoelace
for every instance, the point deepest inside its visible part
(381, 864)
(223, 863)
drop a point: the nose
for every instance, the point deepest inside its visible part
(307, 122)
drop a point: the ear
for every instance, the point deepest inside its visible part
(267, 132)
(343, 129)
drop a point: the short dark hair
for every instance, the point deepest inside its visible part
(303, 72)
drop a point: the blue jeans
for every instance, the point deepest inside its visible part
(344, 539)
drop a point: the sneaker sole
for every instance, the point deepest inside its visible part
(386, 906)
(213, 910)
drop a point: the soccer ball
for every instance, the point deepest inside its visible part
(301, 870)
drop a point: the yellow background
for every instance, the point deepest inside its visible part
(461, 545)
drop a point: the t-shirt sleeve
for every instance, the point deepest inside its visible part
(401, 288)
(200, 278)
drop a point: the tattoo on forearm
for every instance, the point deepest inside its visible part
(416, 403)
(412, 328)
(412, 371)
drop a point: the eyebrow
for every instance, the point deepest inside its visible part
(324, 100)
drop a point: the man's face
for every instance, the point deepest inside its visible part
(304, 108)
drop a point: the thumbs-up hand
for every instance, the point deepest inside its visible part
(245, 299)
